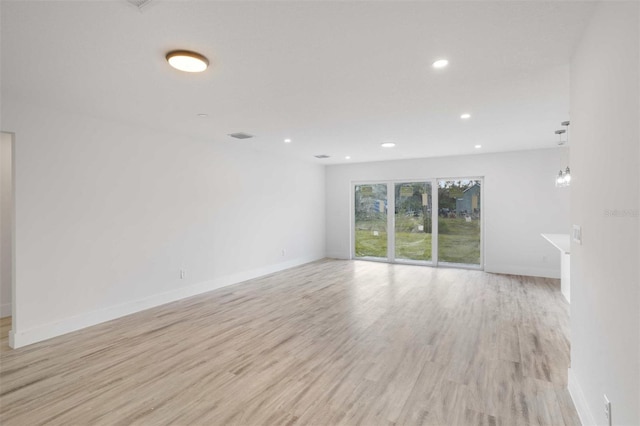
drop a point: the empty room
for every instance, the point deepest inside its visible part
(319, 212)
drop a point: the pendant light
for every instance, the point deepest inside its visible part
(564, 176)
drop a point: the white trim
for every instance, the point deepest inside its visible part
(5, 310)
(522, 270)
(435, 215)
(20, 338)
(580, 402)
(391, 222)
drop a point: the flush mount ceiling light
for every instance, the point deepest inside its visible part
(465, 116)
(187, 61)
(478, 146)
(347, 157)
(440, 63)
(287, 140)
(388, 145)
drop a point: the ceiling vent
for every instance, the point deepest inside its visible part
(241, 135)
(322, 156)
(139, 3)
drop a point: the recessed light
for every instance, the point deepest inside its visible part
(187, 61)
(287, 141)
(347, 157)
(465, 116)
(440, 63)
(388, 145)
(478, 146)
(203, 115)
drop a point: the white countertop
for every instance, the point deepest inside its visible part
(560, 241)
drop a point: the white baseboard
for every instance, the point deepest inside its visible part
(19, 338)
(585, 414)
(5, 310)
(338, 255)
(523, 270)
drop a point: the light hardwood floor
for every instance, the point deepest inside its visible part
(332, 342)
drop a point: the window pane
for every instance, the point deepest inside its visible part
(371, 220)
(459, 209)
(413, 221)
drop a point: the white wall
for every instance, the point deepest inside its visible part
(605, 281)
(520, 202)
(107, 214)
(6, 225)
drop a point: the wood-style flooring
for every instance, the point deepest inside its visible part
(331, 342)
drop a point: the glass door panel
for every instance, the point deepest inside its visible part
(459, 230)
(371, 220)
(413, 221)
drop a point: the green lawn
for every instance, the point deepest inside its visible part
(459, 241)
(368, 245)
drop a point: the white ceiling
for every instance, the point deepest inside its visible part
(338, 78)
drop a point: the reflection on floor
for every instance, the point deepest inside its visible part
(331, 342)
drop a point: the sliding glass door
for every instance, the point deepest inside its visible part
(371, 221)
(459, 213)
(427, 226)
(413, 221)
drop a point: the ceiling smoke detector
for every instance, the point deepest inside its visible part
(241, 135)
(322, 156)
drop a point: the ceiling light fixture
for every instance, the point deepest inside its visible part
(440, 63)
(203, 115)
(388, 145)
(465, 116)
(287, 141)
(478, 146)
(241, 135)
(187, 61)
(347, 157)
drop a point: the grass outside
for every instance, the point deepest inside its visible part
(458, 242)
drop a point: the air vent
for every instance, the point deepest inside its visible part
(139, 3)
(240, 135)
(322, 156)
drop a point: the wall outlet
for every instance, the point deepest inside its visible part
(181, 274)
(607, 409)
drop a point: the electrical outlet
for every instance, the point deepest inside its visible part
(181, 274)
(607, 409)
